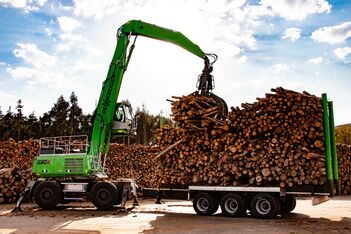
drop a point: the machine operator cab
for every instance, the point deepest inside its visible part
(122, 120)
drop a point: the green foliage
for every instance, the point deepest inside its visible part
(64, 118)
(67, 118)
(74, 115)
(147, 125)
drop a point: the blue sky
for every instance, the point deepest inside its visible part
(49, 48)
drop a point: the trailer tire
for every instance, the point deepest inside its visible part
(233, 205)
(264, 205)
(288, 204)
(48, 194)
(205, 204)
(104, 195)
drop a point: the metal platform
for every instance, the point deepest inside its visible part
(67, 145)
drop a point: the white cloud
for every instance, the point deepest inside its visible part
(280, 67)
(49, 77)
(26, 5)
(34, 56)
(96, 9)
(292, 34)
(297, 9)
(62, 47)
(87, 67)
(48, 32)
(68, 24)
(21, 72)
(242, 59)
(3, 63)
(341, 53)
(6, 99)
(73, 38)
(316, 60)
(14, 3)
(41, 2)
(333, 34)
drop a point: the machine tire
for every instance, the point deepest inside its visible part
(288, 204)
(104, 195)
(264, 205)
(205, 204)
(48, 194)
(233, 205)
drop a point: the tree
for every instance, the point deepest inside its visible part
(147, 125)
(32, 126)
(45, 122)
(8, 123)
(75, 115)
(59, 117)
(1, 123)
(86, 123)
(19, 119)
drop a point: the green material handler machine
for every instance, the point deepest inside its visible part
(72, 168)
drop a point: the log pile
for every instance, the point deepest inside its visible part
(16, 160)
(277, 140)
(195, 112)
(12, 182)
(18, 154)
(136, 162)
(344, 160)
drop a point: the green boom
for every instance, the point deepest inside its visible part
(104, 112)
(54, 165)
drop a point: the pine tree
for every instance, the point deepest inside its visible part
(86, 124)
(1, 123)
(8, 123)
(45, 123)
(59, 116)
(32, 126)
(19, 119)
(75, 115)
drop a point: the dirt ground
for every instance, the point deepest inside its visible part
(172, 216)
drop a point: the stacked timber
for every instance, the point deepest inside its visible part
(16, 160)
(195, 111)
(12, 183)
(277, 140)
(18, 154)
(344, 160)
(135, 161)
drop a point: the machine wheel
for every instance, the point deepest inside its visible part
(48, 194)
(104, 195)
(205, 204)
(264, 205)
(288, 204)
(233, 205)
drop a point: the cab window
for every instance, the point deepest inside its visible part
(120, 114)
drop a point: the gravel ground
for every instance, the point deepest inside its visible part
(174, 216)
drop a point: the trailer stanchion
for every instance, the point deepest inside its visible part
(327, 144)
(333, 149)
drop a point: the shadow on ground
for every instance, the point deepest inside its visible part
(290, 223)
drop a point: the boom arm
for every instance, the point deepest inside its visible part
(103, 116)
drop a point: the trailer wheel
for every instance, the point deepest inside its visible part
(233, 205)
(104, 195)
(205, 204)
(48, 194)
(288, 205)
(264, 205)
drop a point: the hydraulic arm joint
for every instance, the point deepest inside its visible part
(205, 82)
